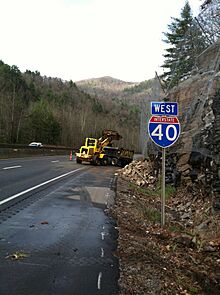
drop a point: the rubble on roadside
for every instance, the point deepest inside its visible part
(140, 173)
(18, 255)
(181, 258)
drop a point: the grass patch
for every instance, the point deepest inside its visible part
(151, 214)
(148, 191)
(193, 290)
(175, 229)
(170, 190)
(145, 190)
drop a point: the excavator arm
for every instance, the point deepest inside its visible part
(107, 137)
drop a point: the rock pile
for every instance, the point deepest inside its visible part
(141, 173)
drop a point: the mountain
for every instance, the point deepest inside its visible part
(115, 89)
(104, 83)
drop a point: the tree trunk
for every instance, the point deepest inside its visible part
(19, 126)
(12, 115)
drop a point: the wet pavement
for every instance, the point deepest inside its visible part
(67, 238)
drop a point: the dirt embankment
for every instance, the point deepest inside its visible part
(181, 258)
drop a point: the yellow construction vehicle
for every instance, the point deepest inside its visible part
(93, 152)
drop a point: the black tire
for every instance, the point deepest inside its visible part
(114, 161)
(105, 161)
(78, 161)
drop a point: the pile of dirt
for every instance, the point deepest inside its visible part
(183, 257)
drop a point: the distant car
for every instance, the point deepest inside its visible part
(35, 144)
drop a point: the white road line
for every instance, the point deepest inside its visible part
(55, 161)
(99, 281)
(37, 186)
(12, 167)
(102, 252)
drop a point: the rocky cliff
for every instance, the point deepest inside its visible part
(198, 148)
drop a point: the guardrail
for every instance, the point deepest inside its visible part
(21, 150)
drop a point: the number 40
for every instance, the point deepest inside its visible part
(158, 132)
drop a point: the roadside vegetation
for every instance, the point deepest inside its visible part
(187, 37)
(53, 111)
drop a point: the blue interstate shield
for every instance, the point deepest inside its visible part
(164, 131)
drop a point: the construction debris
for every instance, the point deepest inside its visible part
(181, 258)
(17, 255)
(44, 222)
(140, 173)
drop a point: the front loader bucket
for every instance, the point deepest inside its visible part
(111, 133)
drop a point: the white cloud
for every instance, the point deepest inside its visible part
(79, 39)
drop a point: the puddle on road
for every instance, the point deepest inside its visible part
(98, 195)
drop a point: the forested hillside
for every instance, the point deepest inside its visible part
(53, 111)
(109, 88)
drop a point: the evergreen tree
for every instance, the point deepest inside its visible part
(43, 125)
(186, 42)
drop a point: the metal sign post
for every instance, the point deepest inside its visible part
(164, 130)
(163, 187)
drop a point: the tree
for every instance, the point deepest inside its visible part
(53, 111)
(14, 96)
(186, 42)
(43, 125)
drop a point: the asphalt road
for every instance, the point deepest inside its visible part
(17, 175)
(52, 212)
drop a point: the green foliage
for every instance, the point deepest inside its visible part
(134, 112)
(151, 192)
(175, 229)
(97, 107)
(170, 191)
(145, 85)
(14, 98)
(151, 214)
(156, 191)
(52, 111)
(186, 42)
(71, 84)
(43, 125)
(194, 290)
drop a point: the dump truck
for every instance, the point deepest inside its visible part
(118, 156)
(99, 152)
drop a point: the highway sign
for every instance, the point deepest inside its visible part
(164, 131)
(164, 108)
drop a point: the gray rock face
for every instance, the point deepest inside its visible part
(198, 148)
(215, 146)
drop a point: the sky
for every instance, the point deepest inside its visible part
(83, 39)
